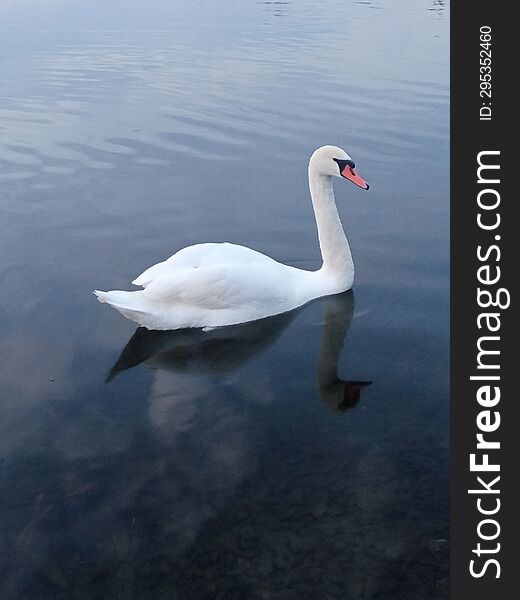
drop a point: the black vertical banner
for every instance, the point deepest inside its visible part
(485, 428)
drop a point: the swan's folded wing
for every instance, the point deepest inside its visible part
(202, 255)
(150, 274)
(218, 286)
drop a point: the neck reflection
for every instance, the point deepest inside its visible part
(337, 394)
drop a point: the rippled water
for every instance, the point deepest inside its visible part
(254, 462)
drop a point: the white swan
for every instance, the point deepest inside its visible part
(211, 285)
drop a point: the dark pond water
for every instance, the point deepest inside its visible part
(250, 463)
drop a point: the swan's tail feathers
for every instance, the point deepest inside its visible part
(101, 296)
(129, 304)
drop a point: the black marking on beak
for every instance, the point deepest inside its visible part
(344, 163)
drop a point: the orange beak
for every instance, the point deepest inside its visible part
(349, 173)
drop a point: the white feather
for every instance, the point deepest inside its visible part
(211, 285)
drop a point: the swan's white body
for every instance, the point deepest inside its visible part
(211, 285)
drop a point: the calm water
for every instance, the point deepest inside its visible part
(253, 462)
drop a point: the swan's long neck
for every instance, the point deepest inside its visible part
(335, 249)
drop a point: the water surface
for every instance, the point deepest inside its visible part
(255, 463)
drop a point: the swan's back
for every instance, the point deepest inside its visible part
(203, 255)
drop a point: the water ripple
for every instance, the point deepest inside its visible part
(92, 105)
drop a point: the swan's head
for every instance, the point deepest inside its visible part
(333, 161)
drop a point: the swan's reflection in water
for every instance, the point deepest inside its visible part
(337, 394)
(224, 349)
(212, 400)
